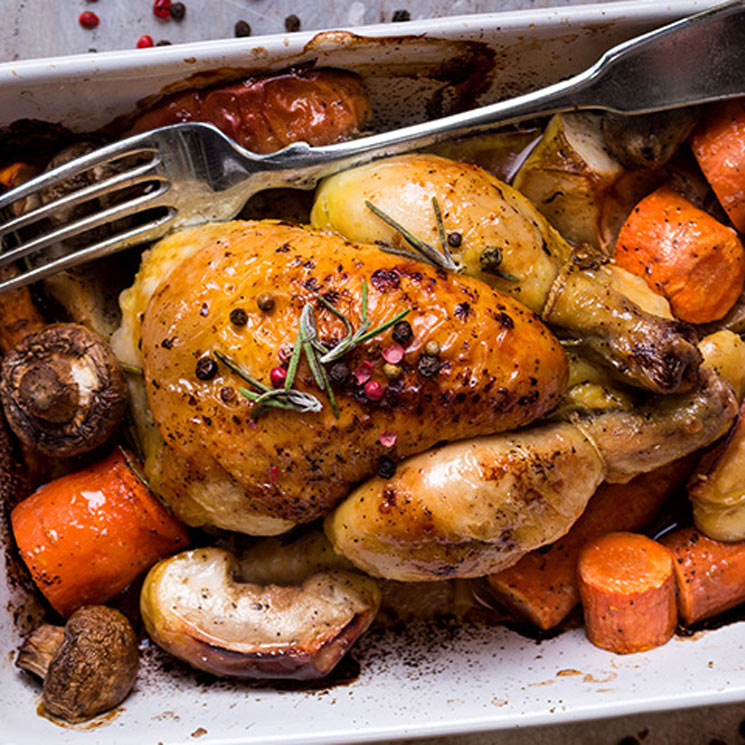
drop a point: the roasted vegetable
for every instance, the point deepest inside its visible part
(627, 590)
(719, 146)
(542, 586)
(569, 176)
(63, 390)
(683, 253)
(499, 237)
(86, 536)
(497, 368)
(195, 607)
(88, 667)
(263, 114)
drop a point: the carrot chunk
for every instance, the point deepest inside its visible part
(542, 586)
(684, 254)
(86, 536)
(719, 146)
(710, 574)
(627, 589)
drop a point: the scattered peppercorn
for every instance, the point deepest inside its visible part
(338, 373)
(178, 11)
(490, 259)
(386, 467)
(88, 20)
(227, 394)
(145, 41)
(285, 352)
(454, 240)
(402, 333)
(432, 348)
(242, 28)
(373, 390)
(265, 301)
(163, 43)
(238, 317)
(292, 23)
(428, 366)
(162, 8)
(391, 371)
(206, 368)
(400, 15)
(277, 376)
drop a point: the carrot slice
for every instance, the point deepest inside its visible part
(86, 536)
(710, 574)
(684, 254)
(542, 586)
(719, 146)
(627, 589)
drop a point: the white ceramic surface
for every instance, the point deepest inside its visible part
(424, 681)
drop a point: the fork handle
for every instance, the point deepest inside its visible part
(663, 69)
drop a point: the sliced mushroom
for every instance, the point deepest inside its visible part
(87, 667)
(63, 390)
(193, 606)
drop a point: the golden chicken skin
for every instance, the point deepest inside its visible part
(216, 310)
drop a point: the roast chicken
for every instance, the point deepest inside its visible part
(216, 462)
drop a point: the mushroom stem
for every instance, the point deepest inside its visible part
(38, 649)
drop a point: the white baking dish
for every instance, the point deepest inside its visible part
(422, 682)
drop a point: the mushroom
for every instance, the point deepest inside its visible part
(88, 666)
(194, 607)
(63, 390)
(648, 140)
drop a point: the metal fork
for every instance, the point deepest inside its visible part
(199, 174)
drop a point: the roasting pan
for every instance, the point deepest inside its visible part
(412, 682)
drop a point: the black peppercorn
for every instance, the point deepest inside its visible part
(265, 301)
(206, 368)
(292, 23)
(402, 333)
(178, 11)
(163, 43)
(238, 317)
(454, 240)
(400, 15)
(242, 28)
(490, 259)
(227, 394)
(428, 366)
(386, 467)
(339, 373)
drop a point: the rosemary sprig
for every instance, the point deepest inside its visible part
(441, 230)
(428, 253)
(311, 345)
(241, 373)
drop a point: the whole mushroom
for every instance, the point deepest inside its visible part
(63, 390)
(88, 667)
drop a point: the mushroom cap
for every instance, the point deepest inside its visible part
(63, 390)
(95, 666)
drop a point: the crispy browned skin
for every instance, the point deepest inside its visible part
(501, 367)
(268, 113)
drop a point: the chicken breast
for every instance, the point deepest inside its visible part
(218, 463)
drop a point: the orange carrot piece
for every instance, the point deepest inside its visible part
(627, 589)
(86, 536)
(710, 574)
(719, 146)
(542, 586)
(684, 254)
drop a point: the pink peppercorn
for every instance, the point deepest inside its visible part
(145, 41)
(373, 390)
(363, 373)
(393, 354)
(388, 439)
(88, 20)
(273, 474)
(278, 375)
(162, 8)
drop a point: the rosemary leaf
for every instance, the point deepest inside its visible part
(310, 334)
(429, 254)
(347, 323)
(505, 275)
(384, 326)
(241, 373)
(441, 229)
(131, 369)
(399, 252)
(297, 350)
